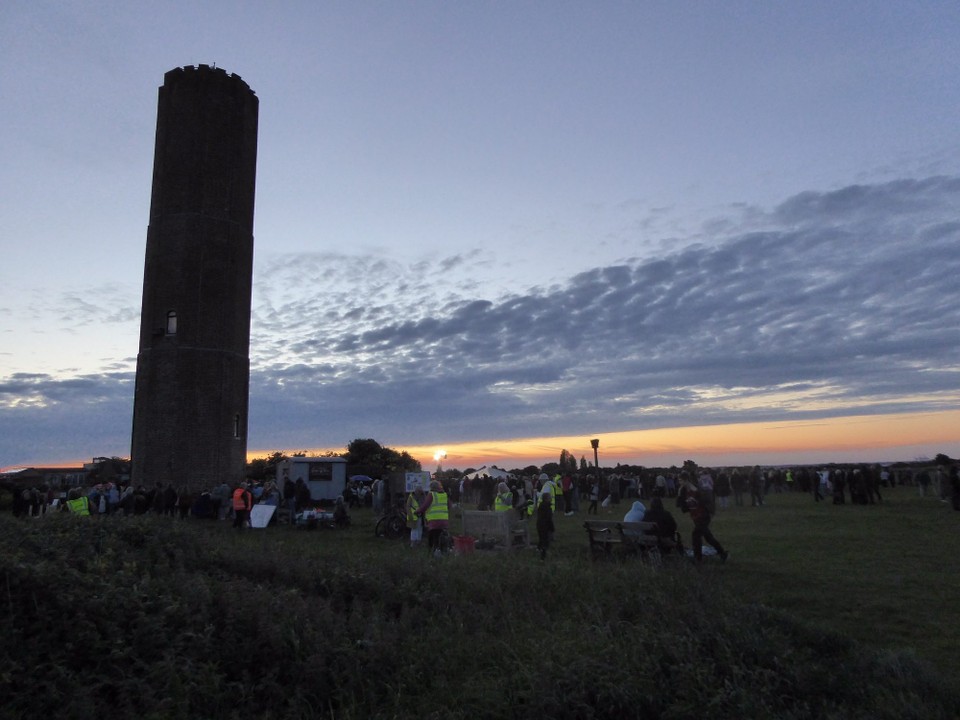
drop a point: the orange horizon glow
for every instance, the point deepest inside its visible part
(855, 438)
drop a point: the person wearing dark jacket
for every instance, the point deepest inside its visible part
(544, 524)
(661, 517)
(690, 502)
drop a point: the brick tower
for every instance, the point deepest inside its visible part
(193, 367)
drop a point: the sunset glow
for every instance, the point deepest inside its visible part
(863, 438)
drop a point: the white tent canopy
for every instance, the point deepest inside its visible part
(492, 471)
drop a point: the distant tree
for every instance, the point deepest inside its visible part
(583, 464)
(942, 459)
(373, 458)
(531, 470)
(401, 461)
(256, 469)
(551, 469)
(266, 467)
(568, 463)
(450, 474)
(364, 451)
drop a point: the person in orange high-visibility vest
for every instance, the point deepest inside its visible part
(242, 502)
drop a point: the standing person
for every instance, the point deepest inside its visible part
(737, 484)
(547, 493)
(955, 487)
(170, 498)
(568, 490)
(224, 507)
(594, 495)
(544, 524)
(614, 490)
(436, 513)
(157, 502)
(377, 492)
(304, 498)
(127, 500)
(756, 487)
(242, 502)
(660, 486)
(691, 502)
(503, 500)
(290, 498)
(414, 522)
(545, 486)
(839, 480)
(706, 491)
(721, 489)
(113, 498)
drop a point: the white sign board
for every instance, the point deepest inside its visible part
(260, 515)
(418, 479)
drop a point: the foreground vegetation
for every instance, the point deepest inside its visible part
(158, 618)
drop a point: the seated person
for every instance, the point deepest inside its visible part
(658, 514)
(634, 514)
(340, 516)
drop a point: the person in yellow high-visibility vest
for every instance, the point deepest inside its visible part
(414, 521)
(551, 489)
(80, 505)
(436, 513)
(547, 489)
(504, 499)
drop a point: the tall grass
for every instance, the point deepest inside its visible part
(147, 617)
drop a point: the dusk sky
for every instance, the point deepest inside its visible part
(728, 232)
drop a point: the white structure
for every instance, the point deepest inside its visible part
(326, 477)
(492, 471)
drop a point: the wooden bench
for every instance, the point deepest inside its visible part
(502, 528)
(604, 536)
(630, 538)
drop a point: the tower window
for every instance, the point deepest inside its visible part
(236, 425)
(172, 322)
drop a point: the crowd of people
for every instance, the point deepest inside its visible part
(697, 492)
(724, 487)
(224, 502)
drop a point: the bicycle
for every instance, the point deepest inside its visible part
(392, 525)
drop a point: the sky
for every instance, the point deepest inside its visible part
(727, 232)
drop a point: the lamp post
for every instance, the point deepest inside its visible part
(595, 443)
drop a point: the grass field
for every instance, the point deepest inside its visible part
(154, 618)
(887, 575)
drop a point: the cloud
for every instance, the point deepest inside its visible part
(45, 418)
(830, 303)
(849, 294)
